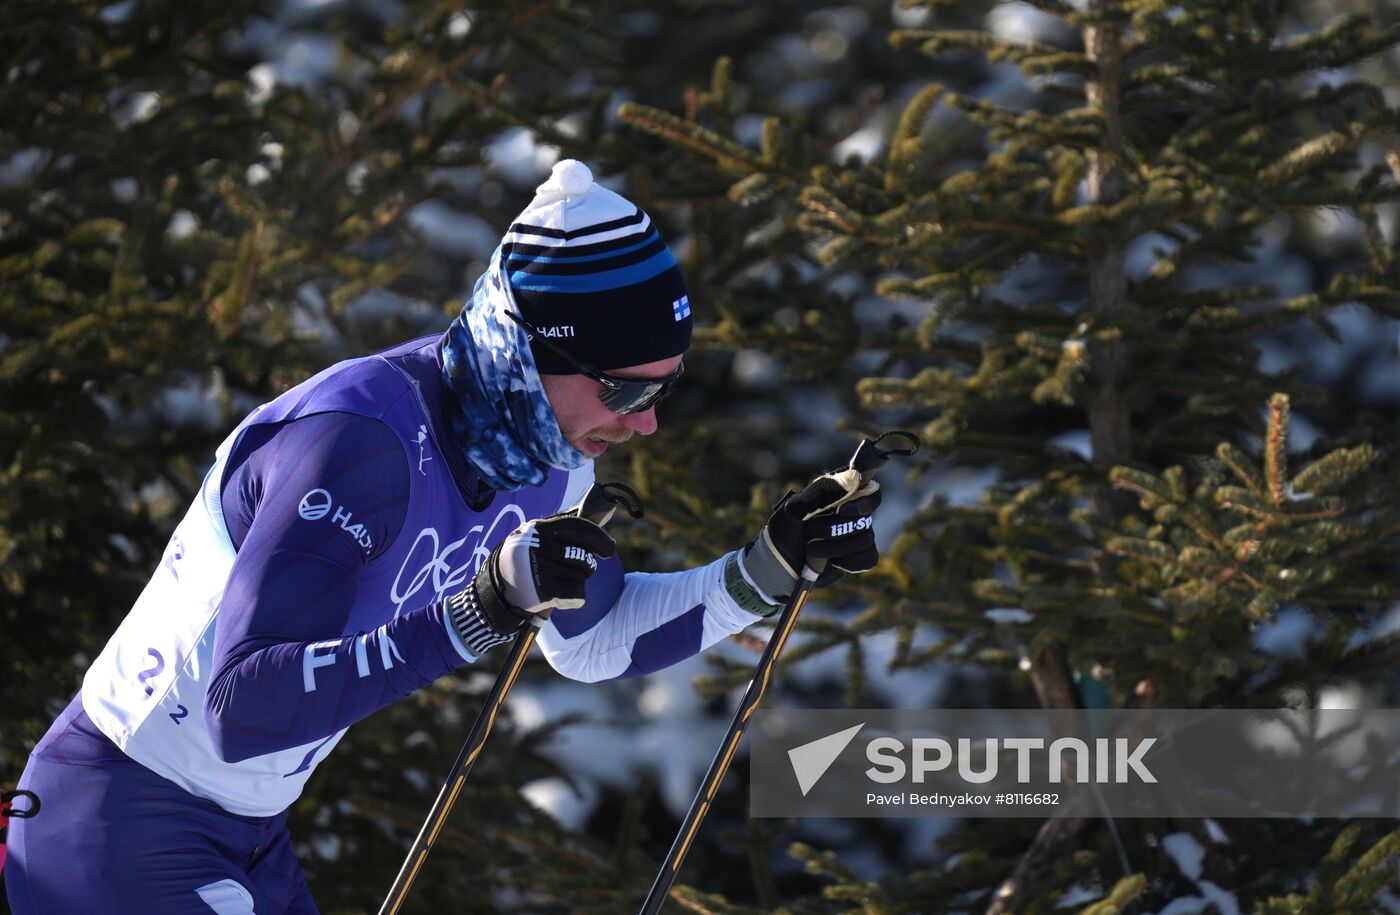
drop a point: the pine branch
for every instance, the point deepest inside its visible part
(933, 43)
(905, 145)
(1276, 448)
(1333, 470)
(698, 139)
(1313, 152)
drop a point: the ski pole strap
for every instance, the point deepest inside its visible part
(603, 500)
(871, 455)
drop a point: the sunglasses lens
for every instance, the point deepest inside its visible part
(628, 395)
(634, 398)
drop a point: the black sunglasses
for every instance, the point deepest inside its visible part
(620, 395)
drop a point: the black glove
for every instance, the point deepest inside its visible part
(831, 519)
(540, 566)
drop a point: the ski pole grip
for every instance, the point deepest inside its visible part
(869, 457)
(599, 504)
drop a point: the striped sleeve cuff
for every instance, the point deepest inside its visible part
(470, 625)
(444, 616)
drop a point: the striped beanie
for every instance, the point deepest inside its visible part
(591, 274)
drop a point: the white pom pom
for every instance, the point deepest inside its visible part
(572, 177)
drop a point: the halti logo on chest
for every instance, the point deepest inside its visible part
(558, 330)
(316, 504)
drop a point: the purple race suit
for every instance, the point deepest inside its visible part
(303, 590)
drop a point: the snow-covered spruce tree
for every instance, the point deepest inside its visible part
(1080, 292)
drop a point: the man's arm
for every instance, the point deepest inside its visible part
(646, 622)
(641, 622)
(284, 674)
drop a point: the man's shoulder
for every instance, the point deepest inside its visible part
(377, 385)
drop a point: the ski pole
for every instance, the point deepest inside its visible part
(598, 505)
(868, 458)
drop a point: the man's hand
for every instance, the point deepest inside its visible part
(543, 565)
(831, 519)
(540, 566)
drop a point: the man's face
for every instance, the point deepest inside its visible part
(587, 424)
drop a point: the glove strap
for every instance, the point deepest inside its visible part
(480, 614)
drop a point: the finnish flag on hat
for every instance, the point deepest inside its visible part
(590, 271)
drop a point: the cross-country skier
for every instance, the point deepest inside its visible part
(373, 529)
